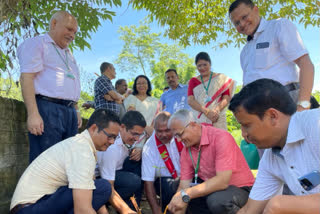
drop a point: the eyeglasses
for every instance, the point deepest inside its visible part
(179, 135)
(111, 136)
(243, 18)
(137, 134)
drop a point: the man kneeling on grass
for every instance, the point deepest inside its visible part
(268, 119)
(215, 177)
(61, 179)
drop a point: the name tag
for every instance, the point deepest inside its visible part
(262, 45)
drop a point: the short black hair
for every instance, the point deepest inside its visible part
(133, 118)
(119, 82)
(102, 117)
(257, 97)
(171, 69)
(314, 103)
(104, 66)
(134, 89)
(236, 3)
(204, 56)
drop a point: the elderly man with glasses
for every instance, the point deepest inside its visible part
(121, 163)
(215, 177)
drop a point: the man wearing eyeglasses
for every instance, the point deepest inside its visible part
(161, 164)
(273, 49)
(121, 163)
(61, 179)
(215, 177)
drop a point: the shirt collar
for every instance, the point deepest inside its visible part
(48, 39)
(179, 86)
(261, 28)
(295, 133)
(204, 135)
(86, 135)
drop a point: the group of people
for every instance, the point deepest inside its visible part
(175, 149)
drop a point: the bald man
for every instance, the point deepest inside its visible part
(50, 84)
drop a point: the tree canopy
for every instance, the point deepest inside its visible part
(203, 21)
(21, 19)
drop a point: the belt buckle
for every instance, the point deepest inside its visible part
(71, 103)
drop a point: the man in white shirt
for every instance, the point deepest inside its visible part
(269, 120)
(161, 164)
(273, 50)
(61, 179)
(121, 163)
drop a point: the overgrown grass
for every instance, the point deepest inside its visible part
(237, 136)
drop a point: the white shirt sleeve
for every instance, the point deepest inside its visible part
(291, 44)
(266, 185)
(148, 170)
(107, 162)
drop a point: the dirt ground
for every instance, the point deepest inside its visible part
(143, 205)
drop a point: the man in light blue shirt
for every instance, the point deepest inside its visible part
(176, 97)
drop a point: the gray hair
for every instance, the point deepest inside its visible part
(60, 15)
(184, 116)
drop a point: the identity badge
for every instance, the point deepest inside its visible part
(262, 45)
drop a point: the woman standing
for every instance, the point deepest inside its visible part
(209, 93)
(142, 101)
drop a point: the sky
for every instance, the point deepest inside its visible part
(106, 45)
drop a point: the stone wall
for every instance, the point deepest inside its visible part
(14, 148)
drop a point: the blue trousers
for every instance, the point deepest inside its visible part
(128, 181)
(60, 122)
(168, 186)
(61, 202)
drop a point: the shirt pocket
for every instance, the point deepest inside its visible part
(262, 58)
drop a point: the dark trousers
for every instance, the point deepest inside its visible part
(61, 202)
(228, 201)
(169, 187)
(60, 122)
(128, 181)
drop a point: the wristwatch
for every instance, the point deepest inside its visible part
(185, 196)
(304, 103)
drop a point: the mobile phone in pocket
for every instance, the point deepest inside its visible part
(310, 180)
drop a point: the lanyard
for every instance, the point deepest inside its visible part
(209, 81)
(65, 61)
(196, 168)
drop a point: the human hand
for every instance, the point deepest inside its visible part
(35, 124)
(108, 97)
(119, 101)
(176, 203)
(79, 119)
(86, 105)
(131, 108)
(213, 115)
(300, 108)
(136, 154)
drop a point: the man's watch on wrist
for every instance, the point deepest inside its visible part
(185, 196)
(304, 103)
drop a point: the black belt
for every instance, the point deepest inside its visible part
(18, 207)
(68, 103)
(292, 86)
